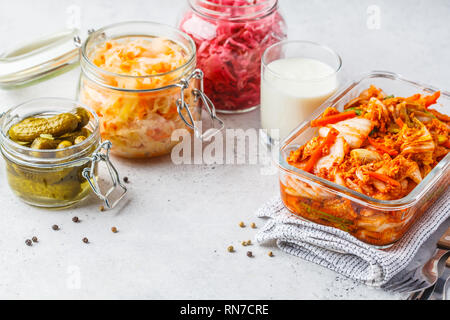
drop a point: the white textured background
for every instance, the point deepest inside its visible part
(178, 221)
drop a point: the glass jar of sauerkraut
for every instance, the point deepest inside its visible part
(140, 79)
(231, 36)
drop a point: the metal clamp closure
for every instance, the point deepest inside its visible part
(209, 106)
(89, 175)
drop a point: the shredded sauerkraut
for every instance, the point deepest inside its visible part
(139, 124)
(229, 53)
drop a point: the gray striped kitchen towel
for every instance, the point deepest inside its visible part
(343, 253)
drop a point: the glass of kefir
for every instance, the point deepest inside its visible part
(297, 77)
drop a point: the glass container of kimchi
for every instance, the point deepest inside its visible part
(375, 221)
(231, 36)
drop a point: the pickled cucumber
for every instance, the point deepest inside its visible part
(64, 144)
(56, 126)
(79, 139)
(72, 123)
(58, 191)
(44, 177)
(83, 117)
(59, 184)
(42, 143)
(73, 135)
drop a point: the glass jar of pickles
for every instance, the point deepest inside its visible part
(140, 78)
(52, 148)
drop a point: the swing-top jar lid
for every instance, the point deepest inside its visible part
(39, 58)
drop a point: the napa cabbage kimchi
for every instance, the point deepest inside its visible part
(381, 146)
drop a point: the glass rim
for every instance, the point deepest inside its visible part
(250, 5)
(268, 6)
(189, 61)
(6, 142)
(301, 42)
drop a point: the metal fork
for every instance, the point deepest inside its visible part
(422, 277)
(440, 288)
(426, 276)
(437, 291)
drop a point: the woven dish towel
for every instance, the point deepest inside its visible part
(341, 252)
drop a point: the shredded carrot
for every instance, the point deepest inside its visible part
(440, 116)
(318, 153)
(333, 119)
(430, 100)
(414, 97)
(384, 178)
(374, 91)
(382, 147)
(399, 122)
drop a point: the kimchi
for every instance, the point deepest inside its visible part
(381, 146)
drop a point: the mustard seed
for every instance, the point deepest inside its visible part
(114, 230)
(35, 239)
(55, 227)
(244, 243)
(249, 254)
(270, 254)
(253, 225)
(230, 249)
(85, 240)
(102, 208)
(75, 219)
(242, 224)
(28, 242)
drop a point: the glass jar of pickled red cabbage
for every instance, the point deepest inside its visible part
(231, 36)
(141, 80)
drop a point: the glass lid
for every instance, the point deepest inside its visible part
(32, 60)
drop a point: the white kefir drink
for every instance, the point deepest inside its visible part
(291, 89)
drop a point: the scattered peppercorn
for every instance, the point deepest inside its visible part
(85, 240)
(75, 219)
(270, 254)
(114, 229)
(249, 254)
(102, 208)
(28, 242)
(35, 239)
(55, 227)
(242, 224)
(126, 180)
(230, 249)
